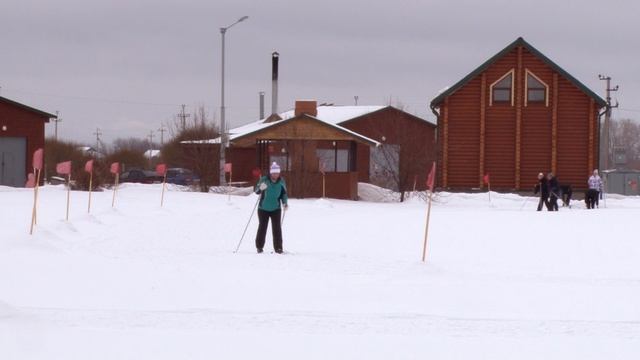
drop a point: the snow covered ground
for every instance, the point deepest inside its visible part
(139, 281)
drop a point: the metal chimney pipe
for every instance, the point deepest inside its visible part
(261, 105)
(274, 82)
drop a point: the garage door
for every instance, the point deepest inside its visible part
(13, 161)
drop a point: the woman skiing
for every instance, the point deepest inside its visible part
(273, 192)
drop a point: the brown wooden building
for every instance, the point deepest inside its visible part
(345, 141)
(21, 134)
(305, 147)
(516, 115)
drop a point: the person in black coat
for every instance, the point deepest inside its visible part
(543, 188)
(553, 192)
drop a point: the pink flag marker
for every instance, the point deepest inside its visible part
(64, 168)
(31, 181)
(227, 167)
(161, 169)
(115, 168)
(37, 159)
(88, 166)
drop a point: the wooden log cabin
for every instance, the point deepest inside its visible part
(516, 115)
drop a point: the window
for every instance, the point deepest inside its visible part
(282, 160)
(536, 89)
(502, 89)
(333, 160)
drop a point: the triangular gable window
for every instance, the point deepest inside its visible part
(502, 89)
(537, 90)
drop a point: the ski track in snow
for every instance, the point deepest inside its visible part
(326, 323)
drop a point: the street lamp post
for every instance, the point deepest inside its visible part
(223, 125)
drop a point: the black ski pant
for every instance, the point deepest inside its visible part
(553, 203)
(543, 201)
(276, 228)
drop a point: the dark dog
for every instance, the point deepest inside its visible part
(565, 193)
(591, 198)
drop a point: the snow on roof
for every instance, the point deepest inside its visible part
(152, 153)
(331, 114)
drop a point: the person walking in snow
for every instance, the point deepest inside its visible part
(595, 188)
(543, 188)
(552, 182)
(273, 192)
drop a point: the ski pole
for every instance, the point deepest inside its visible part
(248, 222)
(284, 212)
(559, 197)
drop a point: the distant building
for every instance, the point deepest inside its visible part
(516, 115)
(90, 152)
(152, 154)
(21, 134)
(349, 144)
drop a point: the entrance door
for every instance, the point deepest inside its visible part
(13, 161)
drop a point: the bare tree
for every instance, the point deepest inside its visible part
(132, 144)
(625, 134)
(198, 157)
(404, 158)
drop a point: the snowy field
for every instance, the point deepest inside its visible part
(502, 281)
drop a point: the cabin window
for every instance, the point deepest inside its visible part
(502, 89)
(333, 160)
(536, 89)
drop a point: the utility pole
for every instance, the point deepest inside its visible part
(56, 121)
(607, 122)
(161, 131)
(150, 137)
(98, 133)
(183, 118)
(223, 124)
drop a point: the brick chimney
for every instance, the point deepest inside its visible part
(309, 107)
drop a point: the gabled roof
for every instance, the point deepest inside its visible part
(326, 113)
(28, 108)
(338, 128)
(519, 42)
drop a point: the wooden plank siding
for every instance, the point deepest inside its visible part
(22, 121)
(415, 136)
(537, 127)
(462, 136)
(514, 141)
(573, 135)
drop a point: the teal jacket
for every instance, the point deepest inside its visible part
(273, 195)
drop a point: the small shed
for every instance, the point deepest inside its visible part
(21, 134)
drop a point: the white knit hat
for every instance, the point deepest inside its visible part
(275, 168)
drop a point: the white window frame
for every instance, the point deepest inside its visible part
(510, 72)
(528, 72)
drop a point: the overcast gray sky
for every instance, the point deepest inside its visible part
(125, 66)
